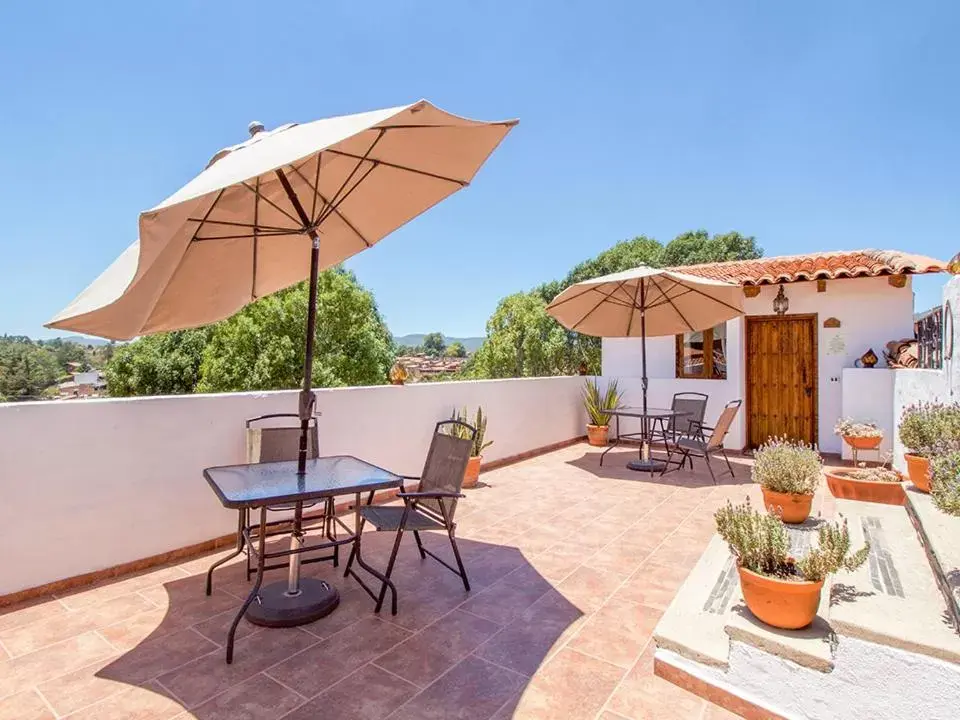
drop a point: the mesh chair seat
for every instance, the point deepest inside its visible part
(389, 517)
(690, 443)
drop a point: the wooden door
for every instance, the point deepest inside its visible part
(781, 378)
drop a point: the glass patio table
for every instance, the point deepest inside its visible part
(297, 600)
(649, 419)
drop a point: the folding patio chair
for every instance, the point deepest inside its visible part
(431, 507)
(699, 446)
(693, 405)
(274, 444)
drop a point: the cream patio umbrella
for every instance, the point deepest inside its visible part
(274, 210)
(646, 302)
(271, 212)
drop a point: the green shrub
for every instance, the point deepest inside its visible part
(945, 480)
(761, 545)
(598, 405)
(924, 425)
(786, 466)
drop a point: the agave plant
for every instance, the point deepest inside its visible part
(598, 405)
(479, 423)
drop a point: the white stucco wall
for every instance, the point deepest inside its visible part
(89, 484)
(867, 396)
(871, 311)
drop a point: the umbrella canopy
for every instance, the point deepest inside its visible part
(646, 302)
(246, 225)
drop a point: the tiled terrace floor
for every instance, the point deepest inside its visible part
(572, 565)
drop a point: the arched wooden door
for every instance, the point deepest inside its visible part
(781, 370)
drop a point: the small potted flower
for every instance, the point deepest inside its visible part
(922, 427)
(788, 473)
(859, 435)
(598, 406)
(472, 474)
(881, 484)
(780, 590)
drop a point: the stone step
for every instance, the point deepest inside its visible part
(893, 599)
(940, 535)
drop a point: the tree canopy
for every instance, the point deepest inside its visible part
(262, 346)
(550, 349)
(434, 344)
(456, 349)
(27, 368)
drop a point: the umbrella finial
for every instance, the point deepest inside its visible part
(255, 127)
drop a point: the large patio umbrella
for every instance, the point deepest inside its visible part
(646, 302)
(271, 212)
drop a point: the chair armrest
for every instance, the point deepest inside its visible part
(430, 495)
(405, 478)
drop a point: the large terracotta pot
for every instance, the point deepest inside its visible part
(842, 486)
(786, 506)
(782, 603)
(472, 474)
(597, 435)
(863, 443)
(918, 469)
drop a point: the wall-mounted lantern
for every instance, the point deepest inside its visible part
(780, 303)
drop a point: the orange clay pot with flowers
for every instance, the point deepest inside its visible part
(789, 473)
(859, 435)
(780, 590)
(922, 427)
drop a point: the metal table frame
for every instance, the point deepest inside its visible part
(646, 463)
(254, 544)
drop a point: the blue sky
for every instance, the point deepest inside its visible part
(813, 126)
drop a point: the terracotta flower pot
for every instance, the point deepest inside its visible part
(843, 486)
(783, 604)
(788, 507)
(918, 469)
(472, 474)
(597, 435)
(863, 443)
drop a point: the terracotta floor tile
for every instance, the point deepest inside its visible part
(315, 670)
(29, 612)
(258, 697)
(158, 656)
(80, 688)
(28, 638)
(588, 588)
(473, 690)
(198, 681)
(27, 671)
(107, 590)
(26, 705)
(186, 603)
(503, 601)
(370, 693)
(642, 696)
(126, 634)
(419, 607)
(570, 686)
(617, 633)
(217, 627)
(139, 703)
(619, 559)
(437, 648)
(715, 712)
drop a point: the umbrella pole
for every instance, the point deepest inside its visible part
(645, 445)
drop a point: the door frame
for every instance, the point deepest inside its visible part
(750, 319)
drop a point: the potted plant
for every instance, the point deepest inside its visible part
(945, 473)
(859, 435)
(780, 590)
(922, 427)
(598, 406)
(880, 484)
(788, 473)
(398, 373)
(472, 474)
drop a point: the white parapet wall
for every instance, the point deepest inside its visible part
(867, 396)
(90, 484)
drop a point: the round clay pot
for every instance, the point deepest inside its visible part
(788, 507)
(842, 486)
(472, 473)
(918, 470)
(863, 443)
(597, 435)
(781, 603)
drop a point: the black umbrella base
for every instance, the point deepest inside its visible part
(276, 608)
(650, 466)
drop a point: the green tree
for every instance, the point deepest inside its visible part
(163, 364)
(26, 368)
(456, 349)
(262, 347)
(522, 340)
(692, 248)
(434, 344)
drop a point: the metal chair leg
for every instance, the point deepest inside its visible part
(727, 460)
(706, 458)
(416, 536)
(389, 572)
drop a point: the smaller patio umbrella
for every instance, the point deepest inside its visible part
(646, 302)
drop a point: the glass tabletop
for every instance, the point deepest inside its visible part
(270, 483)
(650, 413)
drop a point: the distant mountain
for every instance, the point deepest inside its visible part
(80, 340)
(470, 343)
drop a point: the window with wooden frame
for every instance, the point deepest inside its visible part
(703, 355)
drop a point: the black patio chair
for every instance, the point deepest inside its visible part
(702, 447)
(431, 507)
(275, 443)
(693, 405)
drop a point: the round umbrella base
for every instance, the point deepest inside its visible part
(276, 608)
(650, 465)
